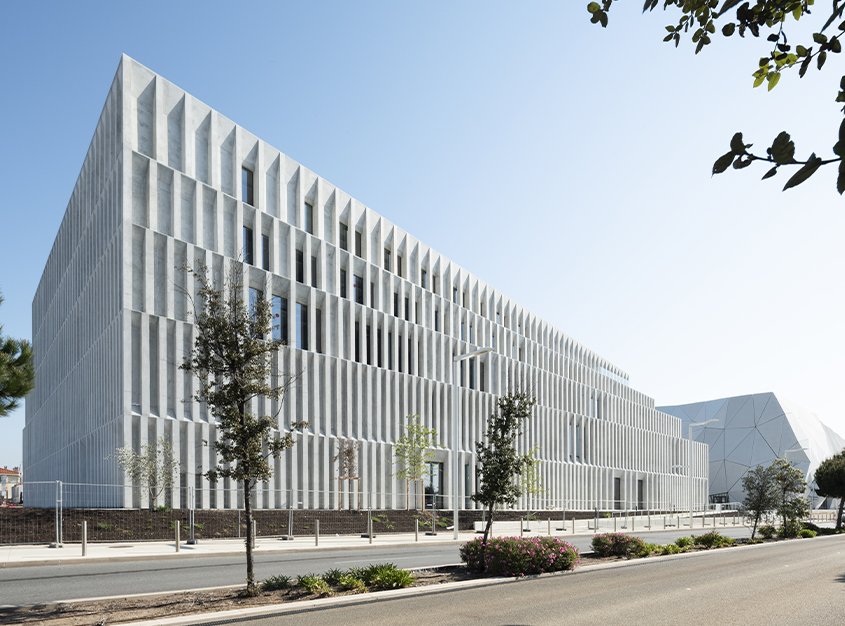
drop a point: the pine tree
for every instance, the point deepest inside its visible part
(830, 482)
(17, 372)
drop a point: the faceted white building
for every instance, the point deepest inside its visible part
(755, 430)
(373, 318)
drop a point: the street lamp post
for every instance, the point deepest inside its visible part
(456, 431)
(689, 462)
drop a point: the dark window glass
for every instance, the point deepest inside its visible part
(358, 245)
(379, 348)
(434, 284)
(319, 329)
(390, 351)
(436, 320)
(358, 341)
(395, 304)
(301, 326)
(455, 295)
(247, 189)
(399, 265)
(482, 376)
(342, 283)
(300, 269)
(254, 296)
(410, 357)
(313, 271)
(308, 227)
(433, 485)
(344, 236)
(424, 279)
(358, 288)
(265, 252)
(247, 247)
(372, 294)
(369, 345)
(399, 351)
(387, 259)
(280, 318)
(407, 309)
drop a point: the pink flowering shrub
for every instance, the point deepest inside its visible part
(512, 556)
(618, 544)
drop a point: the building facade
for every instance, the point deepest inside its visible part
(372, 318)
(756, 429)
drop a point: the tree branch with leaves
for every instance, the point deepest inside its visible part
(700, 20)
(152, 469)
(232, 361)
(413, 454)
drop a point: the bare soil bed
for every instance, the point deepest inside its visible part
(119, 610)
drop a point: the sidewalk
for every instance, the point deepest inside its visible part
(41, 554)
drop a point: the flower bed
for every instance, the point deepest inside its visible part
(514, 556)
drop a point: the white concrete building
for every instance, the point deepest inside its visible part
(753, 430)
(373, 318)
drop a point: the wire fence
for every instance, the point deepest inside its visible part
(290, 516)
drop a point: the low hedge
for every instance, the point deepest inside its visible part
(514, 556)
(620, 545)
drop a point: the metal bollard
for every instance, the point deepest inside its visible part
(177, 535)
(573, 525)
(84, 538)
(550, 527)
(416, 529)
(521, 527)
(614, 524)
(316, 532)
(370, 525)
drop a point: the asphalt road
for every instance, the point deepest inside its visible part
(70, 581)
(794, 582)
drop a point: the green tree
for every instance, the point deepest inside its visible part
(231, 359)
(413, 454)
(790, 486)
(17, 372)
(701, 20)
(152, 469)
(499, 464)
(760, 494)
(830, 482)
(532, 483)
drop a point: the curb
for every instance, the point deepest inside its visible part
(377, 596)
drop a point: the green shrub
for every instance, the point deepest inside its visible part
(648, 549)
(712, 540)
(333, 576)
(670, 548)
(314, 584)
(806, 533)
(514, 556)
(348, 582)
(619, 545)
(767, 531)
(684, 542)
(276, 583)
(394, 578)
(791, 529)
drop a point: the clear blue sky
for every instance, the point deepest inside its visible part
(565, 164)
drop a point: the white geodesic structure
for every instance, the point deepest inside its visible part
(754, 430)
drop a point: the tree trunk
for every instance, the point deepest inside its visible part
(487, 527)
(251, 589)
(839, 515)
(754, 527)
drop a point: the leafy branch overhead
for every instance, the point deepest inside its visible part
(701, 20)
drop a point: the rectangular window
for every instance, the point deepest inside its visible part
(247, 246)
(313, 271)
(387, 259)
(301, 326)
(399, 265)
(379, 348)
(318, 335)
(247, 188)
(279, 319)
(455, 295)
(357, 342)
(433, 485)
(265, 252)
(424, 279)
(342, 283)
(407, 309)
(372, 294)
(344, 237)
(434, 284)
(300, 267)
(482, 377)
(358, 244)
(390, 351)
(369, 345)
(254, 296)
(308, 226)
(437, 320)
(358, 288)
(395, 304)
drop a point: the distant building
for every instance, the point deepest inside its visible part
(372, 317)
(11, 485)
(755, 430)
